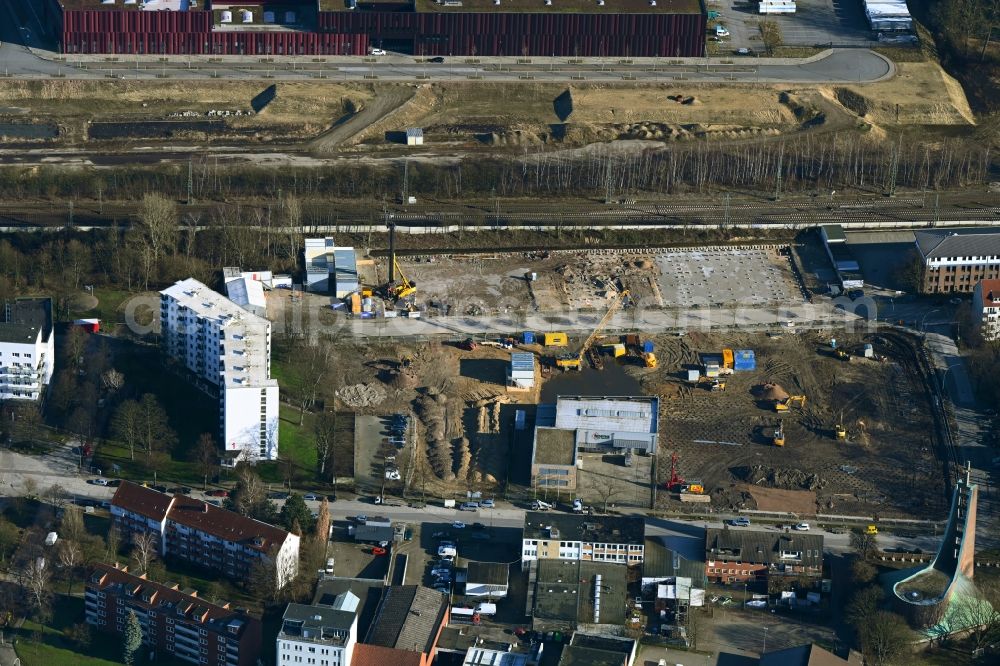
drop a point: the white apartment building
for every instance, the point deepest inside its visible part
(986, 308)
(229, 350)
(319, 635)
(27, 348)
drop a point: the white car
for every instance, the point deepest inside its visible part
(458, 525)
(801, 527)
(392, 474)
(720, 31)
(377, 52)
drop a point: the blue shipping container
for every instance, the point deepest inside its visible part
(529, 338)
(520, 416)
(647, 346)
(744, 360)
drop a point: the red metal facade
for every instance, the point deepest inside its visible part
(351, 33)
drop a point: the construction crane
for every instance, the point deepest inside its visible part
(575, 361)
(401, 289)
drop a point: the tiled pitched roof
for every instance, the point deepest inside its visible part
(144, 501)
(227, 525)
(154, 595)
(757, 547)
(199, 515)
(377, 655)
(408, 618)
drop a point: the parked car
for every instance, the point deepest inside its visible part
(436, 59)
(478, 526)
(361, 518)
(277, 495)
(114, 483)
(458, 525)
(742, 521)
(442, 589)
(376, 52)
(470, 506)
(311, 497)
(487, 504)
(184, 490)
(218, 493)
(99, 482)
(801, 527)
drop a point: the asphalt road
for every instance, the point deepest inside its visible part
(60, 468)
(19, 30)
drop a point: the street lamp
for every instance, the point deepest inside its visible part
(763, 651)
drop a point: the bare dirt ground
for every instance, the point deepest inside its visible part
(473, 117)
(887, 465)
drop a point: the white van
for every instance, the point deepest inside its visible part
(720, 31)
(447, 551)
(486, 609)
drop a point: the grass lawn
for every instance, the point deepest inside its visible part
(109, 307)
(295, 441)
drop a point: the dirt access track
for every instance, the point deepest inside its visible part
(887, 465)
(329, 118)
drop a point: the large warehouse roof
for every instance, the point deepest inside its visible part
(534, 6)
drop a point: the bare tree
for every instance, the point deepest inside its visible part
(154, 430)
(113, 542)
(980, 612)
(864, 544)
(112, 380)
(250, 489)
(70, 557)
(325, 431)
(885, 638)
(206, 455)
(36, 579)
(144, 549)
(158, 223)
(71, 525)
(607, 488)
(770, 34)
(311, 364)
(125, 425)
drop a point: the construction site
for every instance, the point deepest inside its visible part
(784, 419)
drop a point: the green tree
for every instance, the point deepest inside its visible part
(296, 511)
(133, 639)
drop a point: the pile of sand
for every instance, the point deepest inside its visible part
(361, 395)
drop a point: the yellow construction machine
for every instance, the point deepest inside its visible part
(401, 289)
(775, 433)
(575, 361)
(789, 402)
(840, 431)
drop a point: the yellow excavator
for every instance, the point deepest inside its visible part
(575, 361)
(789, 402)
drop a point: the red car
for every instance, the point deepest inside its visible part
(378, 550)
(218, 493)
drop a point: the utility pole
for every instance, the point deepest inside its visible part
(777, 177)
(893, 169)
(190, 183)
(406, 183)
(607, 180)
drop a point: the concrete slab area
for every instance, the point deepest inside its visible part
(815, 23)
(714, 276)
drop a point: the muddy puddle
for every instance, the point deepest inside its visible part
(612, 380)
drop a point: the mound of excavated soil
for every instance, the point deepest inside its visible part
(770, 392)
